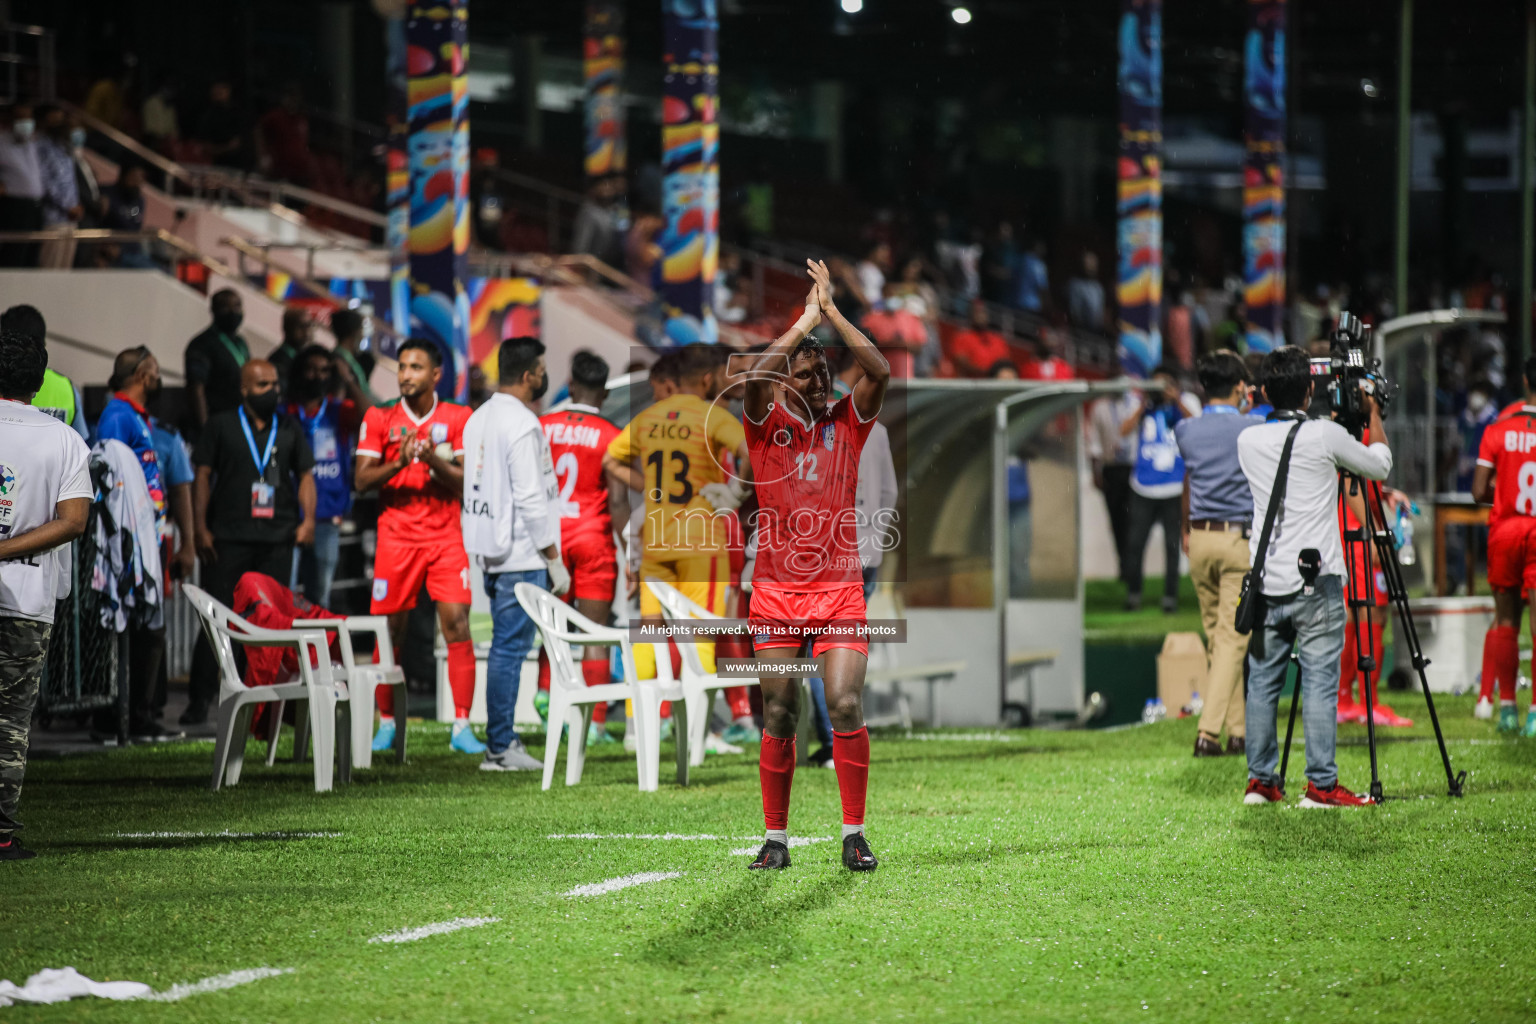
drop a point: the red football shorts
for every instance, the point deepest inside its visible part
(1357, 571)
(1512, 554)
(593, 564)
(399, 569)
(786, 618)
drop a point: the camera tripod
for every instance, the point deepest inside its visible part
(1358, 544)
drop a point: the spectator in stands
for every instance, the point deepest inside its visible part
(601, 220)
(125, 212)
(1031, 279)
(330, 426)
(1157, 485)
(253, 500)
(999, 257)
(59, 396)
(21, 184)
(977, 350)
(298, 334)
(871, 272)
(49, 490)
(135, 378)
(1046, 362)
(160, 124)
(61, 195)
(486, 201)
(107, 99)
(283, 134)
(220, 129)
(213, 363)
(354, 365)
(642, 256)
(730, 297)
(1113, 455)
(1085, 296)
(849, 293)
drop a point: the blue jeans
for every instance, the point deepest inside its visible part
(819, 688)
(314, 568)
(1317, 622)
(511, 638)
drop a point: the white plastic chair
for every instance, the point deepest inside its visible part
(571, 700)
(325, 696)
(699, 687)
(363, 678)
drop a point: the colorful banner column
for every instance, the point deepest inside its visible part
(690, 160)
(603, 64)
(1264, 175)
(1139, 292)
(437, 38)
(397, 176)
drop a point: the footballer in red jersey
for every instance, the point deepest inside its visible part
(1506, 478)
(578, 438)
(412, 452)
(808, 583)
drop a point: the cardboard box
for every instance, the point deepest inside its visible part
(1181, 669)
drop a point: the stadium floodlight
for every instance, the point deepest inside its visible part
(852, 6)
(962, 15)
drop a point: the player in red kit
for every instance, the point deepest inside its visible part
(578, 437)
(808, 583)
(412, 451)
(1506, 478)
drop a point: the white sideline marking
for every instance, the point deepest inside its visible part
(629, 835)
(794, 841)
(615, 884)
(227, 835)
(961, 737)
(217, 983)
(440, 928)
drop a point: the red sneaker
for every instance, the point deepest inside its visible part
(1338, 796)
(1386, 716)
(1349, 711)
(1263, 793)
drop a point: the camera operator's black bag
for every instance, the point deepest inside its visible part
(1250, 605)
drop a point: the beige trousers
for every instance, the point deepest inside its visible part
(59, 253)
(1217, 562)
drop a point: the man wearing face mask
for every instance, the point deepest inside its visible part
(61, 197)
(21, 184)
(330, 425)
(214, 360)
(412, 452)
(135, 381)
(253, 500)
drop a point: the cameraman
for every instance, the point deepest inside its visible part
(1294, 612)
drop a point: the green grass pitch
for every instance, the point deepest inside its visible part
(1030, 876)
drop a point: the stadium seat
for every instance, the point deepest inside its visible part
(699, 687)
(571, 700)
(326, 698)
(362, 679)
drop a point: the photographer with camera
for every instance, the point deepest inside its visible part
(1157, 484)
(1298, 575)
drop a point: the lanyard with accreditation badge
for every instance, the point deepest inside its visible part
(263, 505)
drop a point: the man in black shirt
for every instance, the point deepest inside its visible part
(298, 334)
(253, 478)
(214, 360)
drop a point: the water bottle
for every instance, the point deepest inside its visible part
(1196, 704)
(1402, 534)
(1148, 713)
(1159, 711)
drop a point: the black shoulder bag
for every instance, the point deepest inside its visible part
(1250, 605)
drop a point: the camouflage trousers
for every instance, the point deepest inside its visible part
(23, 650)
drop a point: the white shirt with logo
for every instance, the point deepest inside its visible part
(42, 462)
(511, 504)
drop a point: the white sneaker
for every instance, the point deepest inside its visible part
(713, 744)
(1483, 710)
(514, 759)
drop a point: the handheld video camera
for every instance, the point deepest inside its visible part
(1349, 375)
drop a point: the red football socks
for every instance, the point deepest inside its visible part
(384, 696)
(739, 700)
(850, 756)
(597, 673)
(1501, 662)
(1348, 665)
(776, 772)
(461, 676)
(543, 669)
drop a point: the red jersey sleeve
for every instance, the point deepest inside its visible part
(859, 427)
(1485, 447)
(374, 433)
